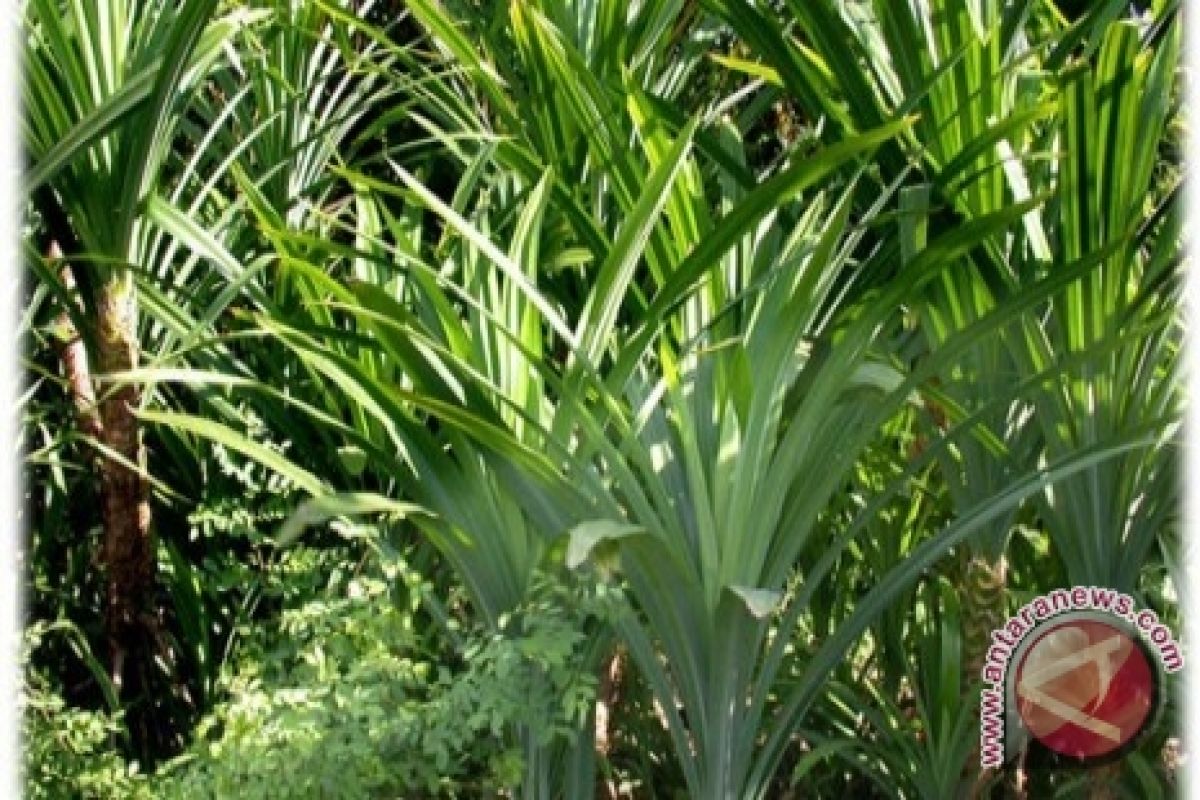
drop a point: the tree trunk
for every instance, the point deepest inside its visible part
(128, 552)
(138, 645)
(608, 698)
(74, 357)
(985, 584)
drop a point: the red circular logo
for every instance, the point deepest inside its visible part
(1085, 688)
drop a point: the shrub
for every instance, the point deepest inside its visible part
(68, 753)
(343, 700)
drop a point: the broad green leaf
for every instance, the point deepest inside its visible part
(760, 603)
(321, 509)
(586, 536)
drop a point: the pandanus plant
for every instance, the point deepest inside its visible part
(960, 68)
(104, 87)
(140, 119)
(1119, 327)
(678, 421)
(1015, 102)
(698, 460)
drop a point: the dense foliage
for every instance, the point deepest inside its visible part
(548, 399)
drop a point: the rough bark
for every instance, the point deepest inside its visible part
(74, 357)
(127, 552)
(607, 700)
(985, 582)
(136, 633)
